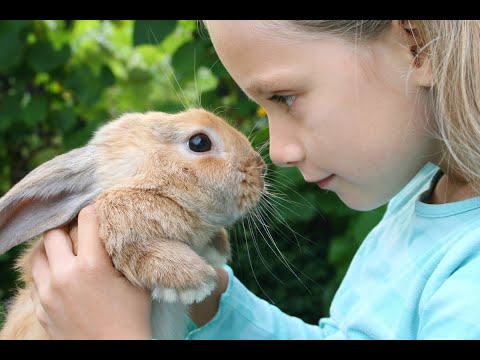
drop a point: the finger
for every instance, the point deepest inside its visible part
(40, 312)
(58, 247)
(40, 267)
(34, 295)
(89, 243)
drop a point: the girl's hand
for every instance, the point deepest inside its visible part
(84, 296)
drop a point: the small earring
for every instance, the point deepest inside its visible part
(415, 50)
(410, 30)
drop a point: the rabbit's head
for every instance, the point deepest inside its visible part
(194, 157)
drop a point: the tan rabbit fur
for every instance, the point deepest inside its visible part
(162, 208)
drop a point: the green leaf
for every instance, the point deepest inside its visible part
(137, 74)
(152, 31)
(43, 57)
(11, 50)
(35, 111)
(85, 85)
(63, 119)
(187, 59)
(106, 76)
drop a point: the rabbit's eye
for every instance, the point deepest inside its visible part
(200, 143)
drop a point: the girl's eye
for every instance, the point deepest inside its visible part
(283, 99)
(200, 143)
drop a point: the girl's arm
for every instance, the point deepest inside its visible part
(233, 312)
(202, 313)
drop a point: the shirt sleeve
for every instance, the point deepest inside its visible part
(452, 310)
(242, 316)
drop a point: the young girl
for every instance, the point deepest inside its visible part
(376, 111)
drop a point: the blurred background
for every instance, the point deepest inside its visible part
(61, 79)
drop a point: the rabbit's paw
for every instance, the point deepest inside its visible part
(214, 257)
(185, 296)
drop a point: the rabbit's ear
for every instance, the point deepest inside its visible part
(48, 197)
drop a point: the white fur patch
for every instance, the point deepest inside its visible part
(187, 296)
(213, 257)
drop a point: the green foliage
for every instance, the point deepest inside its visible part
(42, 56)
(61, 79)
(152, 31)
(12, 49)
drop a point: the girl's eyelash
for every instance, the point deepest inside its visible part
(283, 99)
(277, 98)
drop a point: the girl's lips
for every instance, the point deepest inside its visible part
(322, 184)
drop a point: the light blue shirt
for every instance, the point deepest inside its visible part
(415, 276)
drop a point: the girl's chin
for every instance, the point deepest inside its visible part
(360, 204)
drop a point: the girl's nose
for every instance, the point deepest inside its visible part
(288, 154)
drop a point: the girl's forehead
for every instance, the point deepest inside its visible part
(280, 32)
(226, 32)
(240, 26)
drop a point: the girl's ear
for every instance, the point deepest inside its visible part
(421, 68)
(48, 197)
